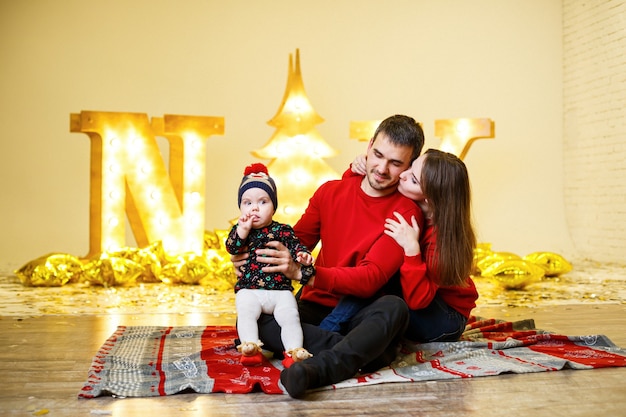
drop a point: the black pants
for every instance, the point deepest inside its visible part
(370, 342)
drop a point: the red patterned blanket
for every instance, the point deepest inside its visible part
(143, 361)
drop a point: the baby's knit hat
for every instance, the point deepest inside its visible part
(256, 176)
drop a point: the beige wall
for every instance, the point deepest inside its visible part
(594, 90)
(363, 59)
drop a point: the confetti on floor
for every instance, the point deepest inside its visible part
(589, 282)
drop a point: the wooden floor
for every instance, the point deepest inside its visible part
(44, 362)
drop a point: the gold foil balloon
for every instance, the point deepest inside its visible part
(552, 263)
(481, 251)
(147, 258)
(53, 270)
(211, 240)
(188, 268)
(111, 271)
(128, 265)
(222, 276)
(222, 235)
(513, 274)
(489, 261)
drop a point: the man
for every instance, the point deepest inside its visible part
(356, 258)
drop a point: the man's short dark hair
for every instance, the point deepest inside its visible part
(403, 131)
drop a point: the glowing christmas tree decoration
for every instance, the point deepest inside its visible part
(297, 149)
(129, 176)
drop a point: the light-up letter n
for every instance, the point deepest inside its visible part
(129, 176)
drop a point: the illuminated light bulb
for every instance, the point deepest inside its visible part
(192, 220)
(114, 195)
(111, 246)
(113, 221)
(155, 195)
(195, 197)
(447, 147)
(136, 144)
(196, 144)
(145, 169)
(300, 175)
(114, 142)
(114, 168)
(172, 245)
(294, 104)
(162, 220)
(463, 127)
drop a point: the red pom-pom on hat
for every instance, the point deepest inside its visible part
(256, 169)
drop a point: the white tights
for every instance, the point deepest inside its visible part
(281, 303)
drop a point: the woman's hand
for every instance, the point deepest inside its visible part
(405, 234)
(278, 258)
(358, 165)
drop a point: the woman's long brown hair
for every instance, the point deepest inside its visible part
(446, 186)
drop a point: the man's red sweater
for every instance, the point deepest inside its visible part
(356, 257)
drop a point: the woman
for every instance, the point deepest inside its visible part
(435, 276)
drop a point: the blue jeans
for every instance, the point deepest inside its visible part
(345, 309)
(436, 323)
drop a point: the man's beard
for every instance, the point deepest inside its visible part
(379, 186)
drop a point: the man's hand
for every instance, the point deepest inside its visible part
(238, 260)
(278, 258)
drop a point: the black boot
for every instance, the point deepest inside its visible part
(298, 378)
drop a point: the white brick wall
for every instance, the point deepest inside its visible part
(594, 101)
